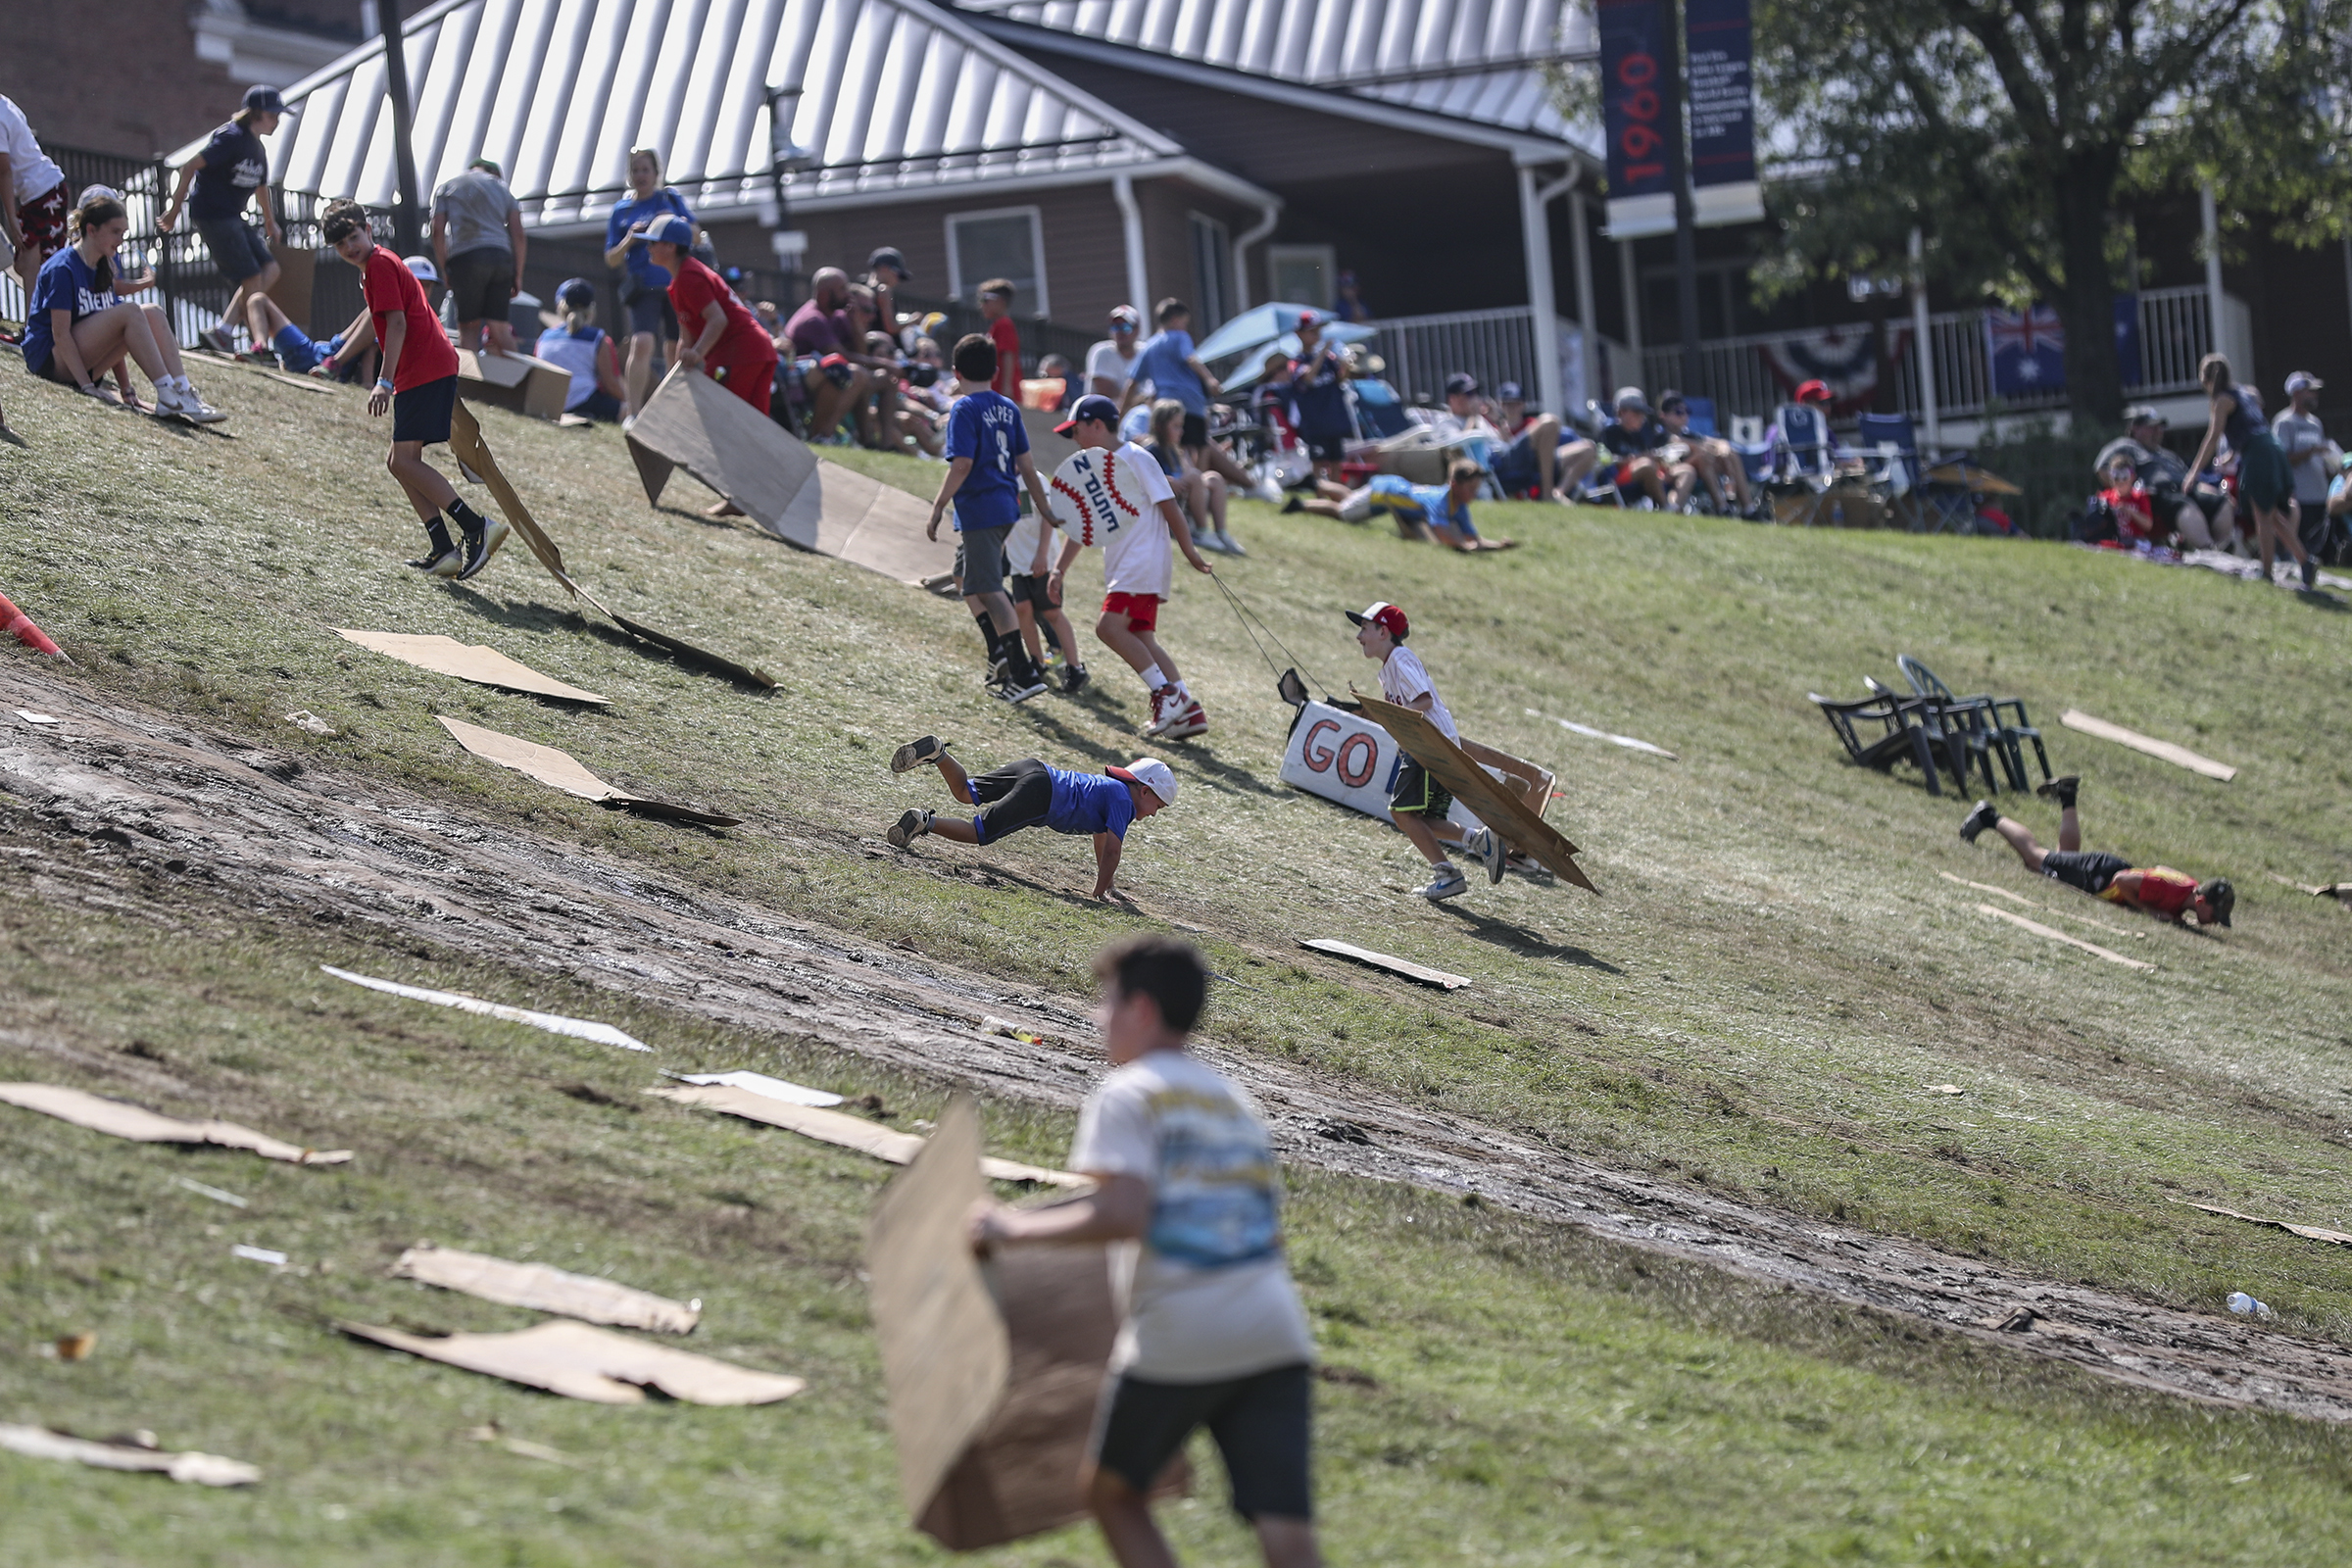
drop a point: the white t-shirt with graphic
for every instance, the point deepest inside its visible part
(30, 169)
(1209, 1296)
(1111, 496)
(1403, 678)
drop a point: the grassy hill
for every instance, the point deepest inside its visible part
(1774, 975)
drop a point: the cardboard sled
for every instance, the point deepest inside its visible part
(771, 475)
(993, 1370)
(523, 382)
(297, 276)
(1499, 807)
(1350, 758)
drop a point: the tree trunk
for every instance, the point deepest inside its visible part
(2094, 386)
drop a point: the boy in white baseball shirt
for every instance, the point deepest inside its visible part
(1113, 494)
(1214, 1334)
(1419, 803)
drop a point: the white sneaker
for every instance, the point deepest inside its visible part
(219, 338)
(1445, 882)
(1189, 720)
(167, 403)
(1488, 851)
(193, 407)
(1229, 545)
(1167, 706)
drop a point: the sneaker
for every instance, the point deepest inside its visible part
(1229, 545)
(1293, 503)
(1191, 721)
(1073, 679)
(1445, 882)
(2061, 789)
(907, 828)
(443, 563)
(195, 409)
(996, 672)
(481, 544)
(219, 339)
(1166, 704)
(914, 753)
(2310, 572)
(1488, 850)
(1011, 691)
(1983, 818)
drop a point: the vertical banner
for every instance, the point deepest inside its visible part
(1720, 49)
(1634, 116)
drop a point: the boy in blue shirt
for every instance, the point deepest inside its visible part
(1442, 508)
(1029, 793)
(988, 463)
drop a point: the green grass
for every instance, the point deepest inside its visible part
(1774, 974)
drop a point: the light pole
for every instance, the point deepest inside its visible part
(785, 156)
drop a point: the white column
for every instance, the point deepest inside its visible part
(2213, 277)
(1924, 346)
(1240, 257)
(1131, 222)
(1535, 231)
(1581, 245)
(1630, 286)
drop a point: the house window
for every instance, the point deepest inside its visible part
(1008, 243)
(1302, 274)
(1212, 275)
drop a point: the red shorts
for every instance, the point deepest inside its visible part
(1141, 609)
(751, 379)
(43, 220)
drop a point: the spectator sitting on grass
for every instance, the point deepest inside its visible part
(2203, 517)
(2161, 890)
(2128, 500)
(1203, 496)
(1542, 459)
(885, 271)
(585, 351)
(76, 328)
(1057, 367)
(1636, 440)
(230, 173)
(1716, 464)
(820, 353)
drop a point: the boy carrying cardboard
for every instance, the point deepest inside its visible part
(1419, 803)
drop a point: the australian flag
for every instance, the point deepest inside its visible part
(2028, 352)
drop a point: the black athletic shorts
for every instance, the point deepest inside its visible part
(1417, 793)
(1324, 447)
(2088, 869)
(422, 413)
(238, 248)
(652, 313)
(1196, 431)
(481, 283)
(1035, 592)
(1262, 1425)
(1011, 798)
(983, 552)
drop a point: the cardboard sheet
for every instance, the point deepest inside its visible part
(583, 1363)
(485, 666)
(844, 1131)
(1382, 961)
(1497, 806)
(779, 482)
(2314, 1233)
(2040, 930)
(196, 1469)
(560, 770)
(759, 1083)
(554, 1023)
(140, 1125)
(2178, 756)
(547, 1290)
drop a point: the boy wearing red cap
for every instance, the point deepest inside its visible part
(1029, 793)
(1419, 803)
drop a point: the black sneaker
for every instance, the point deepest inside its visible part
(1983, 818)
(996, 673)
(1012, 691)
(2310, 572)
(478, 550)
(441, 564)
(906, 829)
(2061, 789)
(1292, 504)
(914, 753)
(1073, 677)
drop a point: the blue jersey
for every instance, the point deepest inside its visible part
(1401, 497)
(627, 216)
(986, 427)
(1320, 395)
(67, 283)
(1161, 362)
(1089, 803)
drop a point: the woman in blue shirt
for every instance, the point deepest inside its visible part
(75, 330)
(644, 287)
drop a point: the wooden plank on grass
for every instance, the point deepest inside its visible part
(2040, 930)
(2178, 756)
(1382, 961)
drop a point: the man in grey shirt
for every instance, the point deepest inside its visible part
(478, 244)
(2297, 429)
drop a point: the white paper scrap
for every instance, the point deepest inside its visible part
(759, 1083)
(1626, 740)
(603, 1033)
(32, 718)
(260, 1254)
(213, 1193)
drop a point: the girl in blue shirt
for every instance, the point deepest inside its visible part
(644, 286)
(75, 330)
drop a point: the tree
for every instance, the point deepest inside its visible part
(2009, 129)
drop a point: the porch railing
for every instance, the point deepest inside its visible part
(1495, 346)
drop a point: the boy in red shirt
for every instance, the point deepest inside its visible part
(996, 309)
(719, 331)
(418, 381)
(2161, 890)
(2128, 498)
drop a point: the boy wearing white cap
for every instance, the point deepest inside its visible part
(1029, 793)
(1419, 803)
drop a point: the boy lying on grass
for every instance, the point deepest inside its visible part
(1439, 511)
(1029, 793)
(2161, 890)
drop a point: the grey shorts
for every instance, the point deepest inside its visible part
(983, 560)
(237, 247)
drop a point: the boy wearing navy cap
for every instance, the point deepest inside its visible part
(1419, 803)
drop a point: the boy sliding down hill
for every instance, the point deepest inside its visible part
(1419, 803)
(1113, 493)
(1029, 793)
(1442, 508)
(2161, 890)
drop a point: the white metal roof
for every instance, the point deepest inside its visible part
(1476, 60)
(900, 98)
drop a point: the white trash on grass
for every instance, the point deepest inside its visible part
(603, 1033)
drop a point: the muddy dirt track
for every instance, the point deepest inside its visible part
(125, 796)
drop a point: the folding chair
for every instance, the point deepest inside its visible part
(2005, 735)
(1802, 458)
(1599, 485)
(1899, 736)
(1702, 415)
(1890, 455)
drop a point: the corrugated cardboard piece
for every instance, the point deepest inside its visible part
(775, 479)
(582, 1362)
(546, 1290)
(523, 382)
(1383, 960)
(560, 770)
(198, 1469)
(484, 666)
(1497, 806)
(140, 1125)
(848, 1132)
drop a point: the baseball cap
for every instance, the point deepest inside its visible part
(2142, 414)
(1509, 392)
(1461, 384)
(888, 256)
(1380, 612)
(576, 291)
(1629, 397)
(1125, 316)
(669, 229)
(1310, 319)
(1815, 392)
(265, 100)
(422, 267)
(2221, 894)
(491, 164)
(1151, 772)
(1669, 400)
(2303, 381)
(1092, 406)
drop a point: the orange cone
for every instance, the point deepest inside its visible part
(14, 619)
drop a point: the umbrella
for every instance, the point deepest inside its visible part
(1259, 327)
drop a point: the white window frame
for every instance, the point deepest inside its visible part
(1220, 246)
(1327, 255)
(958, 283)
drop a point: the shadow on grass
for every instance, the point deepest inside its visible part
(1526, 943)
(535, 615)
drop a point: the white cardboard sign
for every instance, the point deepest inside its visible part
(1347, 758)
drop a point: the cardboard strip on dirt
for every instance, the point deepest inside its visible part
(1382, 961)
(2314, 1233)
(583, 1363)
(484, 666)
(558, 769)
(554, 1023)
(195, 1469)
(117, 1119)
(546, 1290)
(2178, 756)
(847, 1132)
(2040, 930)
